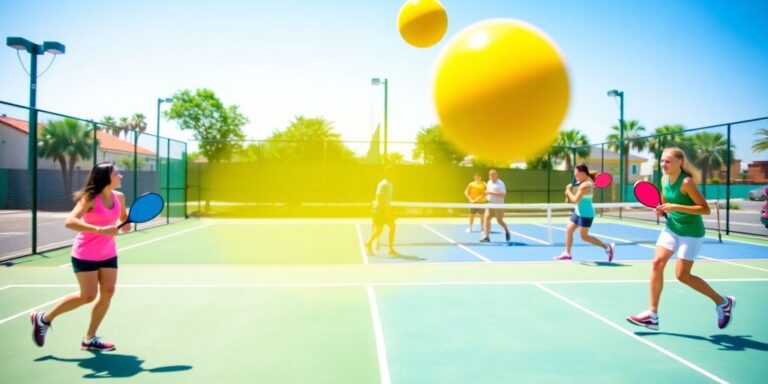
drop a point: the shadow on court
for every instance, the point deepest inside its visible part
(399, 256)
(725, 342)
(108, 365)
(602, 264)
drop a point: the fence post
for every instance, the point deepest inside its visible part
(32, 164)
(135, 170)
(185, 186)
(728, 181)
(95, 144)
(548, 166)
(168, 183)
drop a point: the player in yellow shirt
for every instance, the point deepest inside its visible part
(475, 193)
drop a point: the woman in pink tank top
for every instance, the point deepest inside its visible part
(98, 206)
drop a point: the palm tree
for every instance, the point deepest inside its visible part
(125, 126)
(431, 147)
(710, 154)
(667, 136)
(66, 142)
(138, 122)
(113, 128)
(761, 143)
(633, 133)
(569, 142)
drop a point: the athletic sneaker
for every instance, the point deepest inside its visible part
(485, 240)
(507, 236)
(39, 328)
(724, 312)
(609, 251)
(645, 319)
(96, 344)
(469, 230)
(563, 256)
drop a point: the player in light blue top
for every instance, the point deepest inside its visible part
(583, 215)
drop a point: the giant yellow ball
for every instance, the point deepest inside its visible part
(422, 23)
(501, 90)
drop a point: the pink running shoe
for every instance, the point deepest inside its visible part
(645, 319)
(724, 312)
(610, 250)
(96, 344)
(564, 256)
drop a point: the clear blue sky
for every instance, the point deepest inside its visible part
(692, 62)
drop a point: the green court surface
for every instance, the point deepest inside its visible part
(297, 301)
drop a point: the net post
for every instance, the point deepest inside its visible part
(717, 214)
(549, 225)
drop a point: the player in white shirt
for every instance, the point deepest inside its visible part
(496, 191)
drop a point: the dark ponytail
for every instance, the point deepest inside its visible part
(99, 178)
(583, 168)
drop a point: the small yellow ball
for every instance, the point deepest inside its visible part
(501, 90)
(422, 23)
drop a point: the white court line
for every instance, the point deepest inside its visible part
(653, 247)
(381, 348)
(31, 309)
(732, 263)
(5, 287)
(362, 245)
(464, 248)
(386, 284)
(632, 335)
(529, 238)
(153, 240)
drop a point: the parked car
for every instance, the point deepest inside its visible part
(759, 193)
(764, 215)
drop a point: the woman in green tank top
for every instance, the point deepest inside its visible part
(684, 234)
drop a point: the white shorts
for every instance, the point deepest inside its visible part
(687, 248)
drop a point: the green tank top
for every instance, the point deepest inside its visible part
(681, 223)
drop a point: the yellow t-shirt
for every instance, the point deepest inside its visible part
(477, 190)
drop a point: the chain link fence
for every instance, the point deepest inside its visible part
(36, 193)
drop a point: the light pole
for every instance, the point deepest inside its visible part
(375, 81)
(620, 95)
(55, 48)
(157, 137)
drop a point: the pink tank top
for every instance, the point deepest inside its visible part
(93, 246)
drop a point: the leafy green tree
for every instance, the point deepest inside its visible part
(567, 143)
(309, 140)
(251, 153)
(66, 141)
(633, 133)
(761, 140)
(216, 126)
(395, 158)
(432, 148)
(127, 163)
